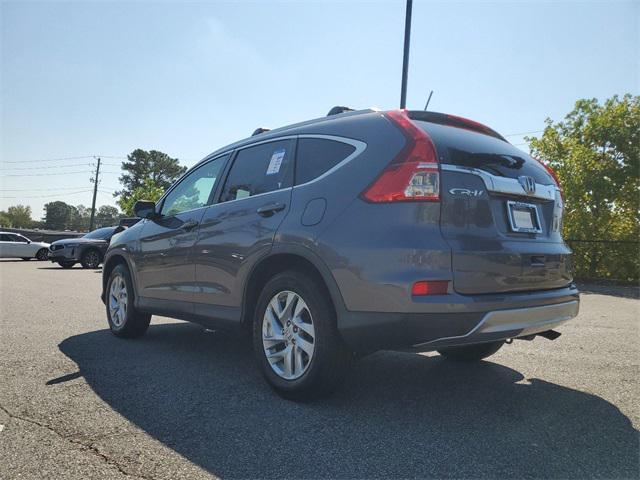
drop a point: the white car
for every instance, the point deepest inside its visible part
(13, 245)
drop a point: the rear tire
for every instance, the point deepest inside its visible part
(91, 259)
(66, 264)
(42, 254)
(124, 320)
(471, 353)
(317, 360)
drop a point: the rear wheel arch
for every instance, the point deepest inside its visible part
(281, 261)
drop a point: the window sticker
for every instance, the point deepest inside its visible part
(241, 193)
(276, 161)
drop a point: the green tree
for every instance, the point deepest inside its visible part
(155, 166)
(59, 215)
(146, 173)
(80, 218)
(107, 216)
(5, 219)
(595, 151)
(20, 216)
(147, 191)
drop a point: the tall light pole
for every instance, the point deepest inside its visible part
(405, 60)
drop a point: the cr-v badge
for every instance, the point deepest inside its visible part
(465, 191)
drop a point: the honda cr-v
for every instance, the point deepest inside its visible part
(347, 234)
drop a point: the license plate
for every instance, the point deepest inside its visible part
(523, 217)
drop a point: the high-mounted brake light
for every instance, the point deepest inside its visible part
(413, 175)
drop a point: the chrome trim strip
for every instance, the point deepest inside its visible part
(507, 186)
(529, 320)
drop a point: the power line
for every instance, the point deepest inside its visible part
(49, 196)
(50, 159)
(47, 166)
(59, 159)
(522, 133)
(47, 174)
(44, 189)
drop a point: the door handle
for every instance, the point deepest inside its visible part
(189, 225)
(270, 209)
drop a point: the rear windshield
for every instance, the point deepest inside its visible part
(465, 148)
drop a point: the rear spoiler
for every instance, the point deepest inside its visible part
(454, 121)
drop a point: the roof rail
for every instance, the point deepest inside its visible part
(338, 110)
(260, 130)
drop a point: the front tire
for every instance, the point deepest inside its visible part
(471, 353)
(91, 259)
(295, 338)
(42, 254)
(124, 320)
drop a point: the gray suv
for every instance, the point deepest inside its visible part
(347, 234)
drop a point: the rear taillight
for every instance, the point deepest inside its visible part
(413, 175)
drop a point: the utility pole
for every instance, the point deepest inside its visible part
(95, 192)
(405, 60)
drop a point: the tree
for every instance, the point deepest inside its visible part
(146, 173)
(107, 216)
(595, 151)
(20, 216)
(158, 167)
(59, 215)
(80, 216)
(5, 219)
(147, 191)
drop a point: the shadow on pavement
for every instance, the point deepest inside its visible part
(399, 415)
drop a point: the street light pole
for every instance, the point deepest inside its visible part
(405, 60)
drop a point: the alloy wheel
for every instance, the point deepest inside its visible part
(118, 301)
(92, 259)
(288, 335)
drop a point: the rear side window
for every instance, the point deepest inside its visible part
(6, 238)
(318, 155)
(260, 169)
(464, 148)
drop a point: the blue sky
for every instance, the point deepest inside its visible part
(186, 78)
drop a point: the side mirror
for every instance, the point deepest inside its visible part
(145, 209)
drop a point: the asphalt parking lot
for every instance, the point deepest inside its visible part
(185, 403)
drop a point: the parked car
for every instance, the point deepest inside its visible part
(89, 249)
(355, 232)
(14, 245)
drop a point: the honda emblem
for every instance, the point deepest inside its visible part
(528, 184)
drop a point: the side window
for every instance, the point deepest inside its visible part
(260, 169)
(6, 238)
(317, 155)
(20, 238)
(194, 190)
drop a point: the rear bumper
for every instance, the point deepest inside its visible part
(510, 323)
(475, 320)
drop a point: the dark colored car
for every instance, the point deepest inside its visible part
(89, 249)
(347, 234)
